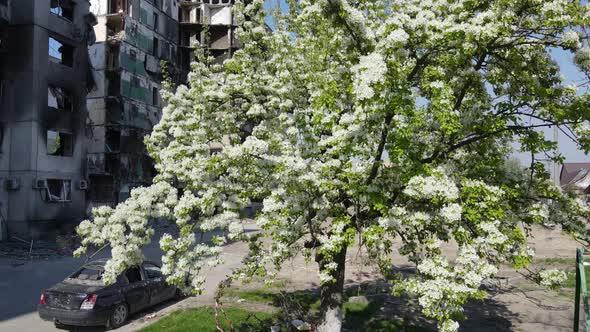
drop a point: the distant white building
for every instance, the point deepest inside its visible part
(575, 177)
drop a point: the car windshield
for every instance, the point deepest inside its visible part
(88, 274)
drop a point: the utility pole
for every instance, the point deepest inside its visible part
(555, 164)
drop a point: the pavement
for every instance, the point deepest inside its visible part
(22, 281)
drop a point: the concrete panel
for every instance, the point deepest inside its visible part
(96, 141)
(96, 111)
(22, 147)
(64, 27)
(132, 59)
(138, 35)
(139, 115)
(136, 87)
(100, 29)
(66, 77)
(97, 53)
(221, 16)
(170, 7)
(134, 8)
(99, 7)
(146, 14)
(100, 88)
(153, 65)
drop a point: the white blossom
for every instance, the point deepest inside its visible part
(435, 186)
(451, 212)
(369, 71)
(552, 278)
(571, 39)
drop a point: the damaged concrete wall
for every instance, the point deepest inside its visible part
(126, 105)
(211, 23)
(46, 47)
(219, 15)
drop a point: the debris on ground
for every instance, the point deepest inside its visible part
(21, 250)
(152, 315)
(358, 299)
(301, 325)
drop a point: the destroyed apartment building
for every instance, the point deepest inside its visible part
(44, 79)
(133, 37)
(79, 91)
(211, 24)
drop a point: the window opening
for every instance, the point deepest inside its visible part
(63, 8)
(58, 190)
(60, 52)
(60, 99)
(59, 144)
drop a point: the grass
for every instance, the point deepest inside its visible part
(365, 317)
(557, 261)
(203, 320)
(357, 316)
(566, 264)
(308, 300)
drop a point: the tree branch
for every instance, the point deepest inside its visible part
(472, 138)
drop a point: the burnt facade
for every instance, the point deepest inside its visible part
(44, 79)
(79, 91)
(133, 38)
(211, 24)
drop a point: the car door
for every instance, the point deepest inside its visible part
(159, 289)
(137, 293)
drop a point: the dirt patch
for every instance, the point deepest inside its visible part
(513, 302)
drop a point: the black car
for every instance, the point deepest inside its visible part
(83, 299)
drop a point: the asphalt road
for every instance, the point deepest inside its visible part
(21, 284)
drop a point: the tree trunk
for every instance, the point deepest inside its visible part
(332, 295)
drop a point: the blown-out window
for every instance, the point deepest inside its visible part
(59, 144)
(156, 22)
(155, 96)
(63, 8)
(60, 99)
(155, 47)
(60, 52)
(58, 190)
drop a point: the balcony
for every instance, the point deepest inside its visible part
(115, 24)
(200, 13)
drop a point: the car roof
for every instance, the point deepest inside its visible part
(100, 263)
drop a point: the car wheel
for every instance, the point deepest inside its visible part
(118, 316)
(59, 326)
(178, 295)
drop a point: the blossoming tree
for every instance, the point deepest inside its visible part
(382, 124)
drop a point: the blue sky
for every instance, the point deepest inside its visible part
(572, 76)
(569, 70)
